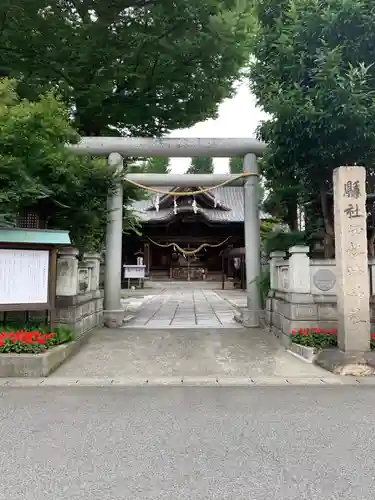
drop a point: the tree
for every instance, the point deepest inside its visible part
(314, 74)
(37, 172)
(236, 165)
(139, 67)
(158, 165)
(201, 165)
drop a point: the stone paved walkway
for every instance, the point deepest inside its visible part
(185, 308)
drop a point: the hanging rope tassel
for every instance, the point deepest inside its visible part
(195, 206)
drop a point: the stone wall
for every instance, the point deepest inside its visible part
(82, 312)
(303, 292)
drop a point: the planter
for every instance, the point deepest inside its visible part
(36, 365)
(307, 353)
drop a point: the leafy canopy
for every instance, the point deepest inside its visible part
(201, 165)
(139, 67)
(236, 165)
(157, 165)
(38, 172)
(314, 74)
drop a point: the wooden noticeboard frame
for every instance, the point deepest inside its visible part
(50, 305)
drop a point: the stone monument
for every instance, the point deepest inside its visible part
(351, 259)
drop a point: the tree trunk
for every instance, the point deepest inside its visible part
(292, 214)
(329, 233)
(370, 244)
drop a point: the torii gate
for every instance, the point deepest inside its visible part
(117, 148)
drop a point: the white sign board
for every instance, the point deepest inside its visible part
(134, 272)
(24, 276)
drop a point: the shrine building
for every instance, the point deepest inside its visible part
(184, 237)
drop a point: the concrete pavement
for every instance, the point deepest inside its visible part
(136, 353)
(284, 443)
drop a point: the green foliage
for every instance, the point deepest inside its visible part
(313, 73)
(236, 165)
(264, 285)
(201, 165)
(267, 227)
(128, 66)
(157, 165)
(37, 172)
(277, 240)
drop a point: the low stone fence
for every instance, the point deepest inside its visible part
(79, 300)
(303, 292)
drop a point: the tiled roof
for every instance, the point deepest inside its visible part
(231, 197)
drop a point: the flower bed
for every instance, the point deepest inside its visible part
(34, 352)
(32, 340)
(319, 338)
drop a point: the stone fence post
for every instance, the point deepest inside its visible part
(93, 259)
(275, 257)
(84, 277)
(299, 270)
(67, 272)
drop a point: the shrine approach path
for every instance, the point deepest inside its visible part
(184, 330)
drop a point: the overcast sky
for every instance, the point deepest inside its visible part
(238, 117)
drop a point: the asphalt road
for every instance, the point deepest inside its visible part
(177, 443)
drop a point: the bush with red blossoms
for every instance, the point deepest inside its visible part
(319, 337)
(35, 340)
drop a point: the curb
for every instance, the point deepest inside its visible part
(184, 382)
(307, 354)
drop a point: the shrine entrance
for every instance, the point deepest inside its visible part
(117, 148)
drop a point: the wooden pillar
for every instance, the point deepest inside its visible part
(147, 257)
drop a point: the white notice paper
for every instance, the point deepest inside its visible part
(24, 276)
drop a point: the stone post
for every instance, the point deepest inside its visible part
(251, 315)
(67, 272)
(93, 259)
(114, 313)
(299, 270)
(353, 292)
(275, 257)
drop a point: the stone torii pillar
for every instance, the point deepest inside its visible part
(113, 312)
(251, 315)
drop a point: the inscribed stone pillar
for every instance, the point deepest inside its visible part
(67, 272)
(351, 259)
